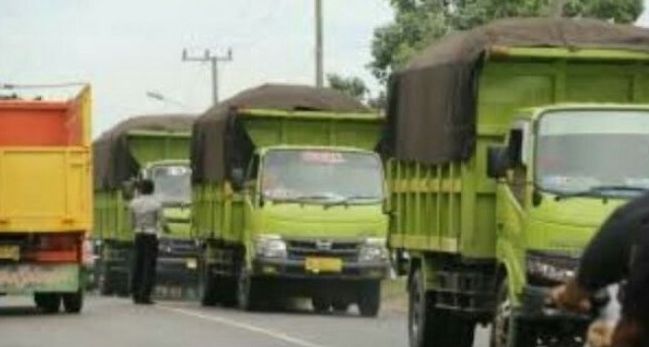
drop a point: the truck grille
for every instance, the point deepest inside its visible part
(301, 249)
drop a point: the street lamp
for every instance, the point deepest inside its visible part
(161, 97)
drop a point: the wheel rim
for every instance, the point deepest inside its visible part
(502, 322)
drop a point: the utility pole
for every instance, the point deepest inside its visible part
(214, 59)
(319, 70)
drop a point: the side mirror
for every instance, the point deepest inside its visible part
(238, 178)
(128, 190)
(497, 161)
(515, 147)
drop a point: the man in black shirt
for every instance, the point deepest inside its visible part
(620, 250)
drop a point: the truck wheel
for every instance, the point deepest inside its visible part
(369, 302)
(432, 327)
(422, 317)
(246, 291)
(73, 302)
(48, 302)
(206, 287)
(320, 305)
(504, 332)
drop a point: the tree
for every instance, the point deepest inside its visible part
(419, 22)
(352, 86)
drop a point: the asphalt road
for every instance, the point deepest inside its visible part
(110, 322)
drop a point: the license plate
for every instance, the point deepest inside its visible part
(191, 263)
(10, 252)
(318, 265)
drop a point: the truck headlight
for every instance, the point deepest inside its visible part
(373, 249)
(270, 246)
(550, 267)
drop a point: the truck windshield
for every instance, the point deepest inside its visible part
(172, 183)
(581, 151)
(322, 176)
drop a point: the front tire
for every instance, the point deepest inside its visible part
(369, 302)
(505, 331)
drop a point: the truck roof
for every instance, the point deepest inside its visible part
(114, 161)
(220, 140)
(432, 110)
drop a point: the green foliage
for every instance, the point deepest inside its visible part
(352, 86)
(419, 22)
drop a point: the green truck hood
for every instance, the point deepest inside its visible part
(178, 222)
(568, 224)
(307, 220)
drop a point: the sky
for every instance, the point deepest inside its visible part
(126, 48)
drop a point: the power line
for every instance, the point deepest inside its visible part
(214, 59)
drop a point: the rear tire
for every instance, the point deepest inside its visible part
(48, 302)
(369, 302)
(73, 302)
(432, 327)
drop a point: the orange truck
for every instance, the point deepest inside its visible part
(45, 199)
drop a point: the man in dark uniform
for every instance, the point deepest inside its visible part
(146, 214)
(620, 250)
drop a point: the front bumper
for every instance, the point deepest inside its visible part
(177, 263)
(297, 269)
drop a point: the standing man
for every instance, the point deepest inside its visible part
(620, 250)
(146, 214)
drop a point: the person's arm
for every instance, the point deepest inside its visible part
(604, 260)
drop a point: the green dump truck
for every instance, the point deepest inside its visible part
(156, 148)
(497, 183)
(288, 200)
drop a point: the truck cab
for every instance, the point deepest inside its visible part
(317, 213)
(564, 170)
(177, 254)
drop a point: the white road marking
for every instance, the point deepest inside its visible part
(244, 326)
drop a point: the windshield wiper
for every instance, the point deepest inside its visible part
(598, 191)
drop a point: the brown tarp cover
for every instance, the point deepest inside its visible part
(432, 102)
(219, 141)
(114, 162)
